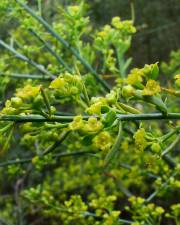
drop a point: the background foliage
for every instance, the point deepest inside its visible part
(74, 146)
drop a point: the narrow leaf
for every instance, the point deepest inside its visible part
(111, 154)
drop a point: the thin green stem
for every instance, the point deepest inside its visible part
(112, 153)
(119, 220)
(122, 117)
(57, 143)
(121, 62)
(46, 100)
(26, 59)
(26, 76)
(149, 116)
(40, 7)
(58, 155)
(86, 94)
(170, 134)
(132, 10)
(64, 43)
(164, 185)
(171, 146)
(59, 125)
(50, 49)
(169, 160)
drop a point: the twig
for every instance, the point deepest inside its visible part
(112, 153)
(57, 143)
(49, 48)
(64, 43)
(55, 118)
(26, 59)
(26, 76)
(171, 146)
(160, 188)
(58, 155)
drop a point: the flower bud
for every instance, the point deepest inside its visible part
(16, 102)
(127, 91)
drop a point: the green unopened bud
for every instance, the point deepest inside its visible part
(155, 147)
(53, 110)
(127, 91)
(16, 102)
(74, 90)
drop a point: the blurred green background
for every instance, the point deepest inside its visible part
(158, 23)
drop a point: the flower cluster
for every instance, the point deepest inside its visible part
(67, 85)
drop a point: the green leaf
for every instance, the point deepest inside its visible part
(155, 100)
(155, 71)
(87, 140)
(113, 152)
(105, 109)
(109, 118)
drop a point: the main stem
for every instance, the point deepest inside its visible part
(122, 117)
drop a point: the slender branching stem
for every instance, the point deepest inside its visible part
(49, 28)
(112, 154)
(26, 59)
(122, 117)
(171, 146)
(50, 49)
(58, 155)
(164, 185)
(57, 143)
(26, 76)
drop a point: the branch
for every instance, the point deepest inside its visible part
(113, 152)
(59, 155)
(148, 116)
(171, 146)
(26, 59)
(164, 185)
(122, 117)
(26, 76)
(50, 49)
(64, 43)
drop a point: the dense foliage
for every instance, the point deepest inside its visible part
(84, 139)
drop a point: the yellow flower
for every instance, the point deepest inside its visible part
(93, 125)
(135, 76)
(176, 184)
(177, 76)
(73, 10)
(140, 200)
(94, 108)
(28, 91)
(67, 84)
(35, 159)
(176, 208)
(59, 82)
(102, 34)
(105, 32)
(126, 26)
(152, 88)
(140, 141)
(155, 147)
(127, 91)
(177, 80)
(116, 22)
(77, 123)
(103, 140)
(159, 210)
(151, 206)
(96, 105)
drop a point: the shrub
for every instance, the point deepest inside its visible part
(83, 139)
